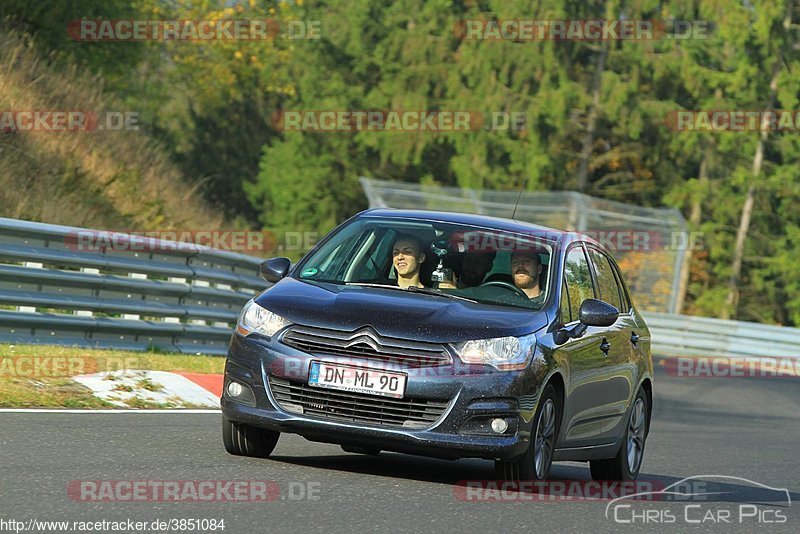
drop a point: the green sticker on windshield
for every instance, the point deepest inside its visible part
(311, 271)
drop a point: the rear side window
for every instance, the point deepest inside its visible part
(623, 291)
(606, 281)
(578, 280)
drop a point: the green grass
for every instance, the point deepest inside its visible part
(149, 385)
(39, 376)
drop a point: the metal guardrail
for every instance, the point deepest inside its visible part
(187, 298)
(683, 335)
(172, 296)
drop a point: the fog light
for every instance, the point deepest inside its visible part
(235, 389)
(499, 425)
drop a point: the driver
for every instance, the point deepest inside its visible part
(526, 268)
(407, 256)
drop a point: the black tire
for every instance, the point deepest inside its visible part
(246, 440)
(619, 467)
(525, 466)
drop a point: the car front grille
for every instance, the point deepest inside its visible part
(344, 406)
(365, 343)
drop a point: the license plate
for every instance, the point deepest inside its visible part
(357, 379)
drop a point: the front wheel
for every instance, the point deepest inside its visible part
(538, 458)
(245, 440)
(626, 464)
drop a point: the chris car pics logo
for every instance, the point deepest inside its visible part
(704, 500)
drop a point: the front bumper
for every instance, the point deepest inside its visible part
(473, 397)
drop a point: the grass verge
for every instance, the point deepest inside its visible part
(39, 376)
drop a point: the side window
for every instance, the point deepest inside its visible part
(578, 279)
(374, 258)
(326, 263)
(606, 281)
(565, 314)
(623, 291)
(333, 257)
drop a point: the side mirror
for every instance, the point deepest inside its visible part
(273, 269)
(595, 312)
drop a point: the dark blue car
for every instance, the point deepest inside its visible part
(446, 335)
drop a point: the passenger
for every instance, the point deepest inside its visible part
(407, 256)
(474, 268)
(526, 268)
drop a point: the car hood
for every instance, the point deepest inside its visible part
(395, 313)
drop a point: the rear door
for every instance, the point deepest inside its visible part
(636, 331)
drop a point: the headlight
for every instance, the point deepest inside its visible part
(504, 353)
(255, 319)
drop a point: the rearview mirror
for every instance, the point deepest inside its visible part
(595, 312)
(274, 269)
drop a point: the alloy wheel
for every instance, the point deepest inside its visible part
(636, 429)
(545, 435)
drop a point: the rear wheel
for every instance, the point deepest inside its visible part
(246, 440)
(535, 463)
(626, 464)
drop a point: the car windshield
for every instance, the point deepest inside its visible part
(437, 258)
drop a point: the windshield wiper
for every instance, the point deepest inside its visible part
(414, 289)
(430, 291)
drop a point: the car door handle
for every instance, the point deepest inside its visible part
(605, 346)
(634, 338)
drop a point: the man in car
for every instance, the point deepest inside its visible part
(407, 256)
(526, 268)
(474, 268)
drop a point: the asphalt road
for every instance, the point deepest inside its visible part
(746, 428)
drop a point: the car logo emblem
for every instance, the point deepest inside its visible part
(366, 337)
